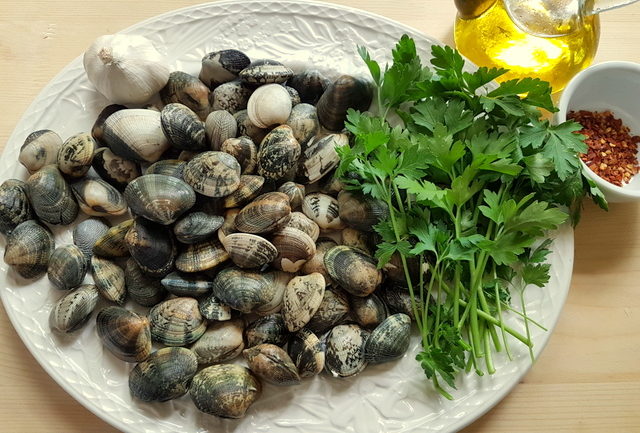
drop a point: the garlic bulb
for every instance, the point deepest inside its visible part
(126, 69)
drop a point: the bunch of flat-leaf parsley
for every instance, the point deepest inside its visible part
(474, 180)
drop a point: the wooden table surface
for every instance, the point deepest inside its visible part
(588, 377)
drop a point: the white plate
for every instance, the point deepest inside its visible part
(394, 397)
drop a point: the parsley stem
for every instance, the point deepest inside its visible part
(487, 353)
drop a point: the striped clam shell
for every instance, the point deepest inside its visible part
(188, 90)
(14, 205)
(28, 249)
(302, 299)
(51, 197)
(76, 154)
(109, 279)
(182, 127)
(124, 333)
(221, 342)
(214, 174)
(272, 363)
(176, 322)
(98, 198)
(67, 267)
(159, 198)
(73, 310)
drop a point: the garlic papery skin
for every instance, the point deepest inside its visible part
(126, 69)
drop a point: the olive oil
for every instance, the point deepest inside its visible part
(492, 39)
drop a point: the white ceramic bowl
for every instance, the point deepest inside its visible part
(613, 86)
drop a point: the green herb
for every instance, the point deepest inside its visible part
(474, 180)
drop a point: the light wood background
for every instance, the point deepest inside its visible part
(587, 379)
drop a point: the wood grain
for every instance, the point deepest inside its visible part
(588, 377)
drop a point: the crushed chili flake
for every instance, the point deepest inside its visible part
(612, 153)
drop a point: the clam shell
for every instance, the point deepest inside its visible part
(272, 363)
(316, 263)
(191, 285)
(124, 333)
(232, 96)
(40, 148)
(293, 95)
(303, 121)
(28, 249)
(87, 233)
(278, 154)
(220, 126)
(188, 90)
(14, 205)
(389, 340)
(51, 197)
(111, 244)
(306, 352)
(214, 174)
(197, 227)
(243, 290)
(229, 224)
(249, 188)
(320, 156)
(182, 127)
(176, 322)
(97, 130)
(76, 154)
(332, 310)
(278, 281)
(109, 279)
(221, 342)
(224, 390)
(135, 134)
(344, 353)
(114, 169)
(164, 375)
(98, 198)
(310, 85)
(212, 309)
(201, 256)
(397, 299)
(73, 310)
(143, 289)
(268, 329)
(344, 93)
(303, 223)
(269, 105)
(302, 299)
(323, 210)
(244, 151)
(248, 250)
(332, 184)
(248, 129)
(152, 246)
(368, 311)
(159, 198)
(265, 71)
(357, 239)
(353, 270)
(294, 247)
(295, 192)
(168, 167)
(222, 66)
(264, 214)
(361, 212)
(67, 267)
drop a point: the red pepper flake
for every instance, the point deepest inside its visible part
(612, 153)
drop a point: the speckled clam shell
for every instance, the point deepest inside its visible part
(368, 311)
(143, 289)
(224, 390)
(268, 329)
(221, 342)
(278, 281)
(67, 267)
(214, 174)
(302, 299)
(188, 90)
(28, 249)
(293, 95)
(111, 244)
(177, 322)
(278, 154)
(124, 333)
(303, 223)
(320, 156)
(97, 130)
(229, 224)
(265, 71)
(323, 210)
(310, 85)
(159, 198)
(272, 364)
(294, 247)
(190, 285)
(332, 310)
(109, 279)
(114, 169)
(201, 256)
(344, 93)
(303, 121)
(197, 227)
(232, 96)
(249, 251)
(222, 66)
(249, 188)
(98, 198)
(220, 126)
(248, 129)
(295, 192)
(244, 151)
(316, 263)
(168, 167)
(353, 270)
(14, 205)
(135, 134)
(182, 127)
(73, 310)
(266, 213)
(389, 340)
(51, 197)
(76, 154)
(212, 309)
(361, 212)
(243, 290)
(152, 246)
(86, 234)
(357, 239)
(306, 352)
(164, 375)
(269, 105)
(344, 350)
(40, 148)
(397, 299)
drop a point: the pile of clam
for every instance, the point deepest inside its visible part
(239, 239)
